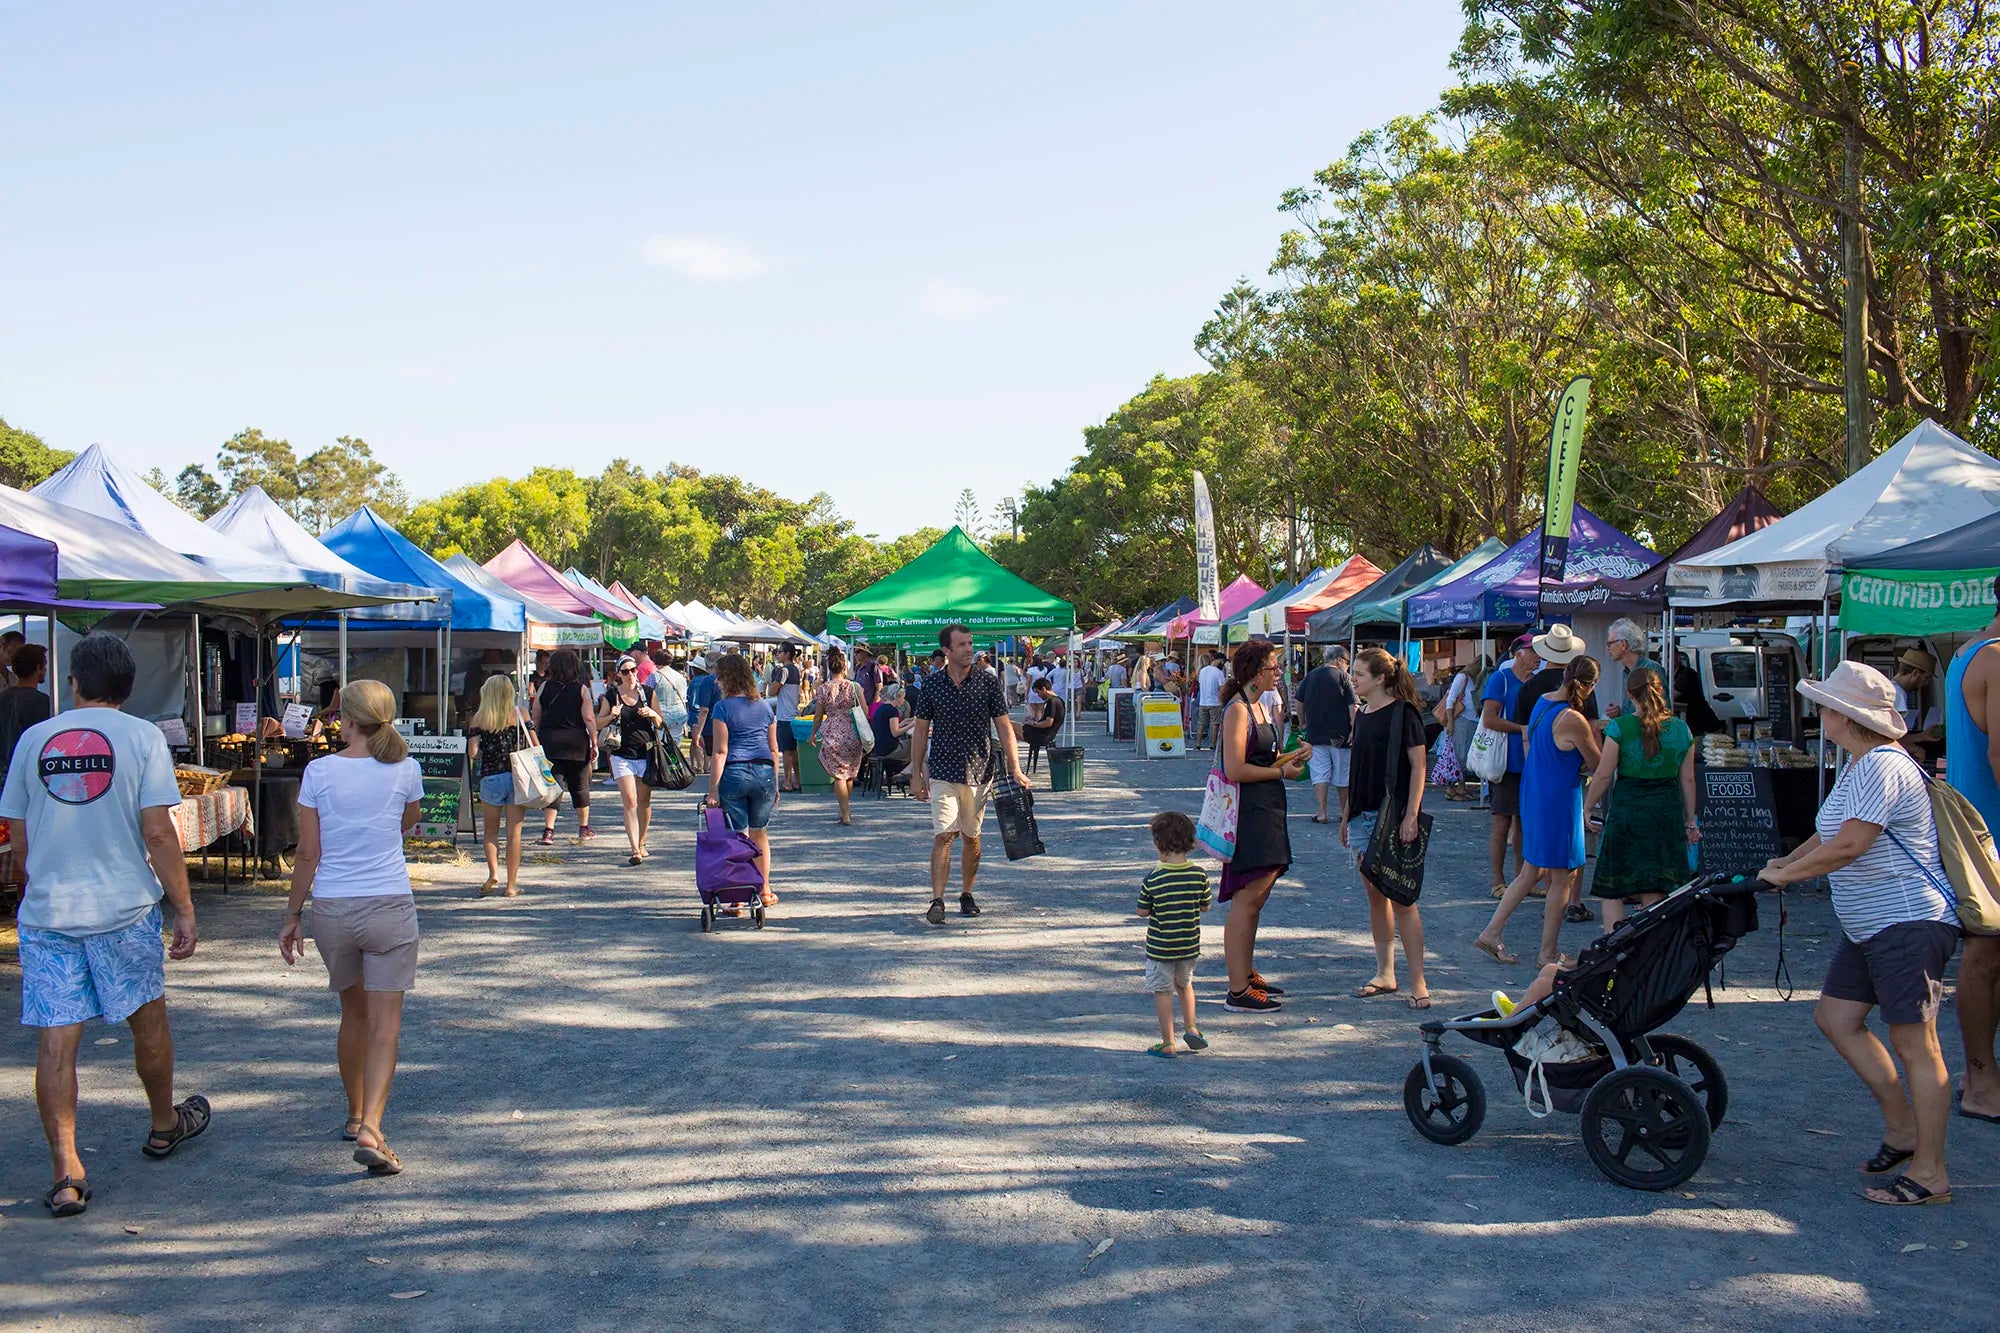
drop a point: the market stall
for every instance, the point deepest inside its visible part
(522, 570)
(1508, 589)
(1344, 618)
(1939, 585)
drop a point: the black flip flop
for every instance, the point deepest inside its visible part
(1886, 1159)
(74, 1207)
(1958, 1103)
(191, 1119)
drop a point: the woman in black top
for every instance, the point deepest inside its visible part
(561, 717)
(1388, 767)
(632, 706)
(1250, 758)
(1041, 732)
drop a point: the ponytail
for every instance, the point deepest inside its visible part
(1244, 665)
(1395, 677)
(1649, 698)
(1578, 679)
(369, 708)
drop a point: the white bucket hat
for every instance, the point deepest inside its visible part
(1560, 646)
(1861, 694)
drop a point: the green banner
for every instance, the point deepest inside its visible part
(1559, 503)
(1915, 601)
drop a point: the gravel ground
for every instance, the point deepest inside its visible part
(854, 1119)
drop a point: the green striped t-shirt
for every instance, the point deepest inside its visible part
(1175, 896)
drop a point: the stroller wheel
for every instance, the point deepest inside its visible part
(1693, 1065)
(707, 918)
(757, 915)
(1449, 1108)
(1644, 1128)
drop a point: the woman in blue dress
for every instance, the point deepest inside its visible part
(1562, 747)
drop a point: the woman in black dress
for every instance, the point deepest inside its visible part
(1251, 759)
(561, 716)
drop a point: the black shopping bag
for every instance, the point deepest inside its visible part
(1014, 807)
(1395, 867)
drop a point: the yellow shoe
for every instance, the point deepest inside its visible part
(1503, 1004)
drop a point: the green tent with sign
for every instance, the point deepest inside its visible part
(954, 582)
(1939, 585)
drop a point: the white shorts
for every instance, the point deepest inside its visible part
(1169, 974)
(958, 807)
(627, 768)
(1328, 764)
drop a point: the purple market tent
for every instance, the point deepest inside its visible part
(1508, 591)
(1646, 594)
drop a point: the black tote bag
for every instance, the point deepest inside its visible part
(1395, 867)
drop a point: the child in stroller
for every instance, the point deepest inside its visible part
(1586, 1039)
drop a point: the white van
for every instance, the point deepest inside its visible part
(1750, 675)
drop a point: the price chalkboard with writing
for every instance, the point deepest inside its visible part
(1739, 820)
(441, 759)
(1778, 685)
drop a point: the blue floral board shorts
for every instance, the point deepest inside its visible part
(67, 979)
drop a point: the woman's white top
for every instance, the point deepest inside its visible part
(360, 804)
(1885, 886)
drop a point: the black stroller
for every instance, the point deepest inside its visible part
(1649, 1099)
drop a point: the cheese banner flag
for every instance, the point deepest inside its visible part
(1207, 576)
(1565, 447)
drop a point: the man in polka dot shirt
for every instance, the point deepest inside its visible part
(952, 761)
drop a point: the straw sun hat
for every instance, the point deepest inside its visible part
(1560, 646)
(1859, 693)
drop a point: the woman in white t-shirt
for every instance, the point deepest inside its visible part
(1877, 841)
(354, 808)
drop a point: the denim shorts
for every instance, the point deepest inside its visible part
(1361, 831)
(747, 793)
(66, 979)
(497, 789)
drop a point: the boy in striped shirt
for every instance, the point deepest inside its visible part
(1172, 900)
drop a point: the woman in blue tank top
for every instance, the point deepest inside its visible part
(1971, 717)
(1561, 747)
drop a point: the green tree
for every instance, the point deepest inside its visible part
(24, 460)
(967, 515)
(252, 458)
(337, 479)
(194, 490)
(549, 509)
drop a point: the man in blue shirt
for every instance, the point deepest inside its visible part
(703, 694)
(1972, 765)
(1503, 691)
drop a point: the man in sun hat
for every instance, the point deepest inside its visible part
(1556, 649)
(1972, 766)
(1876, 841)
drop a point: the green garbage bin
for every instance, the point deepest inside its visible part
(812, 774)
(1066, 768)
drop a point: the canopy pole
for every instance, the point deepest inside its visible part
(444, 675)
(55, 667)
(343, 650)
(200, 729)
(1823, 634)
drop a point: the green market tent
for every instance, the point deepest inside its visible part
(954, 582)
(1938, 585)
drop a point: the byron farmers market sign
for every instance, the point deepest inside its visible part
(1915, 601)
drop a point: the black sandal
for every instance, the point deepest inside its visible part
(1905, 1193)
(191, 1119)
(75, 1206)
(1576, 914)
(1886, 1159)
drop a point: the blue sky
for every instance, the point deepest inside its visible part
(882, 251)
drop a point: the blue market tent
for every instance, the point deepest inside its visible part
(367, 539)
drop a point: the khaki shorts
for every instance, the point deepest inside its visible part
(370, 940)
(958, 807)
(1169, 974)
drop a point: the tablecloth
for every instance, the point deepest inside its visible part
(202, 820)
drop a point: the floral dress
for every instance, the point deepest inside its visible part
(840, 751)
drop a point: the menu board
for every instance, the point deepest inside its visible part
(1778, 684)
(246, 719)
(441, 759)
(1739, 820)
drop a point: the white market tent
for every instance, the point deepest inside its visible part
(1928, 482)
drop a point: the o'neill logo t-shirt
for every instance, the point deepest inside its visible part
(79, 781)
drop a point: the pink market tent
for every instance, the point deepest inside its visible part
(522, 570)
(1233, 599)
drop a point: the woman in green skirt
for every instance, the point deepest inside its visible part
(1647, 771)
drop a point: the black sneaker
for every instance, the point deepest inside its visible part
(936, 915)
(1257, 982)
(967, 907)
(1251, 1001)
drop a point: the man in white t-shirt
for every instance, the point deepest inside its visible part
(1115, 675)
(89, 805)
(1208, 702)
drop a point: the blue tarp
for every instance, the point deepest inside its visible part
(365, 539)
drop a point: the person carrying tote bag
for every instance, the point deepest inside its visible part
(534, 777)
(1388, 831)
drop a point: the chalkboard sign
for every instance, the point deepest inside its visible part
(1778, 685)
(1124, 710)
(442, 762)
(1739, 820)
